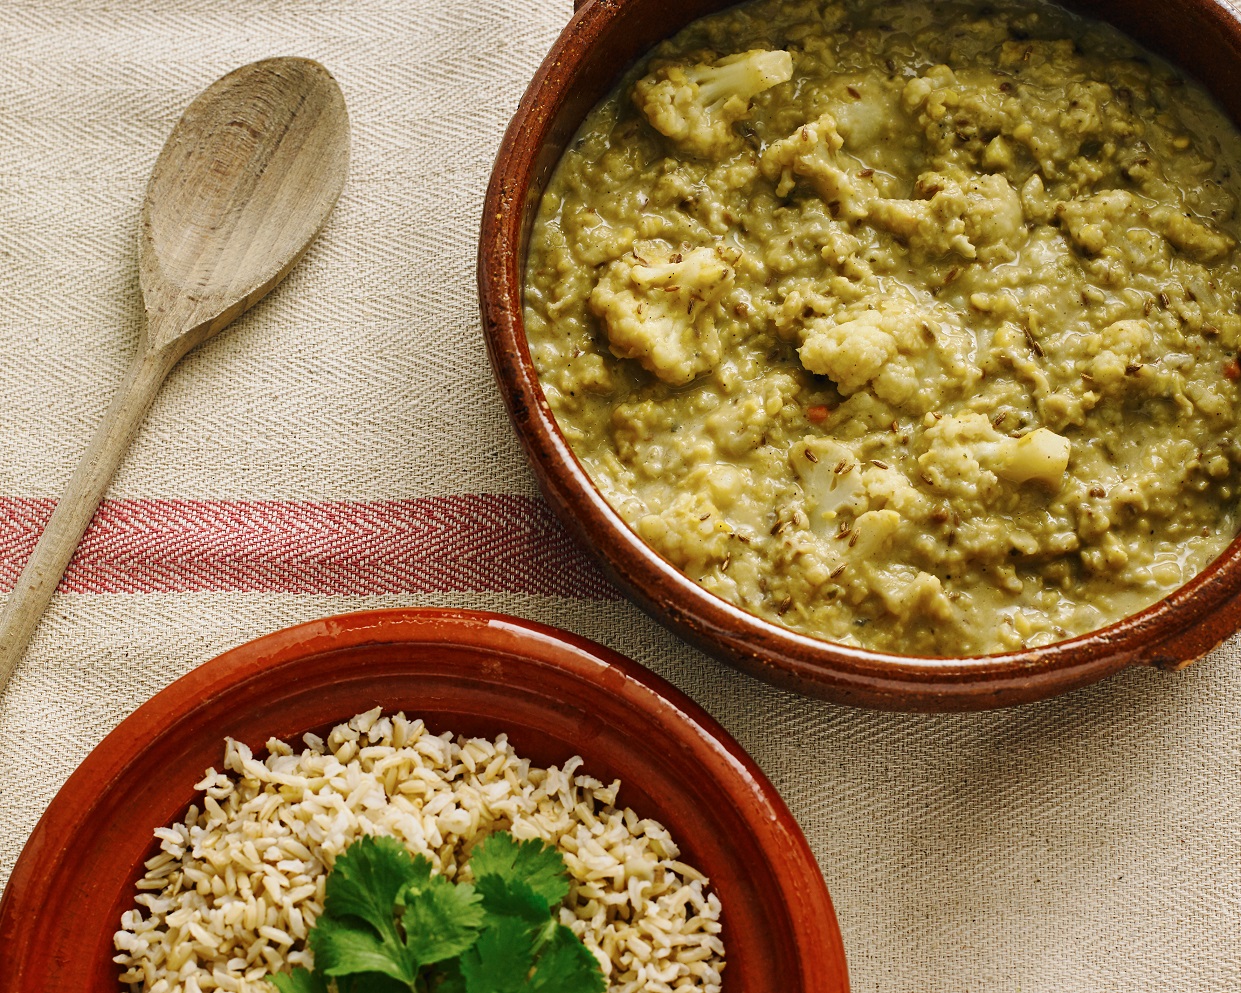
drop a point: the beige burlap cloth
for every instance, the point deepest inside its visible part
(343, 447)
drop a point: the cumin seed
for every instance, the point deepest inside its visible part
(1033, 341)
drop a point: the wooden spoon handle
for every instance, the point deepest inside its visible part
(73, 513)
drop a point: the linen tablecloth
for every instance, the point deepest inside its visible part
(342, 447)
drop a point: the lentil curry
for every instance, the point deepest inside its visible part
(910, 326)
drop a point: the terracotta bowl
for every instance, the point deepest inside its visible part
(480, 674)
(604, 37)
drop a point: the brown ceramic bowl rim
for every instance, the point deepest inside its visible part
(1170, 634)
(48, 887)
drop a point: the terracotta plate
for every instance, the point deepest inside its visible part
(553, 693)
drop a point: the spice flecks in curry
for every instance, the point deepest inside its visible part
(902, 325)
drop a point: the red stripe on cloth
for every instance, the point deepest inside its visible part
(476, 543)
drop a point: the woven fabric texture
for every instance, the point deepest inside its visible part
(343, 447)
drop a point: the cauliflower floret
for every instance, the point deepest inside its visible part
(1120, 345)
(851, 353)
(904, 353)
(837, 484)
(981, 219)
(922, 597)
(1093, 222)
(810, 153)
(659, 307)
(1106, 219)
(952, 464)
(891, 489)
(830, 491)
(871, 532)
(696, 105)
(1191, 237)
(1041, 455)
(967, 454)
(691, 532)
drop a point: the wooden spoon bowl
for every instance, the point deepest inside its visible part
(243, 185)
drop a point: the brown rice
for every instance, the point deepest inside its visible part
(239, 882)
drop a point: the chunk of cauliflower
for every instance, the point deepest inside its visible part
(1120, 347)
(978, 218)
(830, 492)
(1104, 220)
(690, 532)
(967, 454)
(809, 153)
(837, 483)
(851, 352)
(1040, 456)
(659, 306)
(696, 105)
(906, 354)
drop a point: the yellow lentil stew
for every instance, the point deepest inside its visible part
(909, 326)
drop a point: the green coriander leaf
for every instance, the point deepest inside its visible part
(342, 949)
(298, 981)
(366, 880)
(512, 898)
(566, 966)
(500, 961)
(543, 934)
(446, 978)
(370, 982)
(540, 867)
(441, 920)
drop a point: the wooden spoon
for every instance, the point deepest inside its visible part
(244, 183)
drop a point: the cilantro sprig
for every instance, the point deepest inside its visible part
(390, 925)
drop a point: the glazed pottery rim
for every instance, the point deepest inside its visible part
(1171, 633)
(592, 667)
